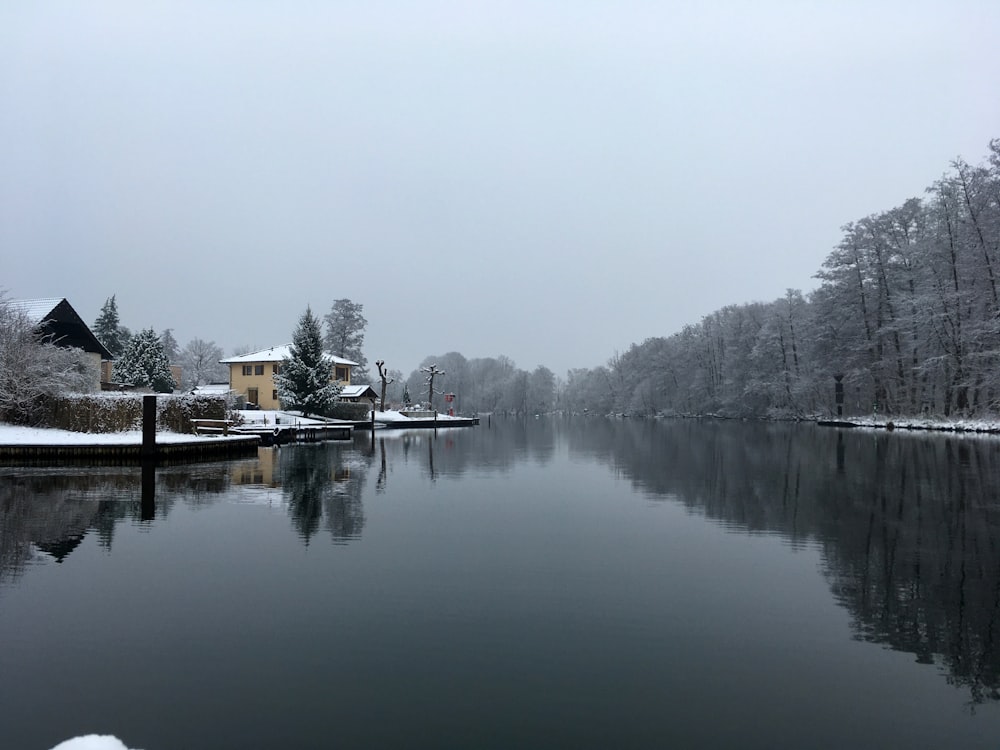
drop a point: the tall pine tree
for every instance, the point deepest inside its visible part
(170, 346)
(109, 330)
(345, 335)
(306, 380)
(144, 363)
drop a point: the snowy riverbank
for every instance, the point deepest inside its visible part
(984, 426)
(15, 435)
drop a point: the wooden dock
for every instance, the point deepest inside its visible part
(196, 449)
(409, 424)
(282, 434)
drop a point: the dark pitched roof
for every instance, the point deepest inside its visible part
(57, 319)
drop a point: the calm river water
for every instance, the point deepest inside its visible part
(550, 583)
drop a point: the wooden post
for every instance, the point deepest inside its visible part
(147, 506)
(149, 426)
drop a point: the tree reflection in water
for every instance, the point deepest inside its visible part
(324, 482)
(49, 511)
(909, 524)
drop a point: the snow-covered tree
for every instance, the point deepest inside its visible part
(143, 363)
(541, 390)
(31, 368)
(396, 384)
(345, 335)
(200, 363)
(306, 380)
(108, 328)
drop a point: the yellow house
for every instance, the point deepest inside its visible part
(252, 375)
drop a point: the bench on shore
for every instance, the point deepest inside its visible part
(211, 426)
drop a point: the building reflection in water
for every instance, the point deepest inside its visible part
(46, 513)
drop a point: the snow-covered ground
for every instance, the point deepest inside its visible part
(92, 742)
(13, 435)
(916, 423)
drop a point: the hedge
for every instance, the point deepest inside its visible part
(119, 412)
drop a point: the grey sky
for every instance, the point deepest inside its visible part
(547, 180)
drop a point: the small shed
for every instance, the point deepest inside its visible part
(354, 393)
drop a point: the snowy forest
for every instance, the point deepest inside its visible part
(906, 317)
(906, 313)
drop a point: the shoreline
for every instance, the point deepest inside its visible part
(961, 426)
(41, 446)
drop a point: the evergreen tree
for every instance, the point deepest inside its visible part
(108, 327)
(345, 335)
(170, 346)
(143, 363)
(306, 378)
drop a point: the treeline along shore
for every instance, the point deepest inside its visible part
(906, 317)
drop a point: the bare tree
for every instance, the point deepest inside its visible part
(385, 378)
(31, 367)
(200, 363)
(431, 371)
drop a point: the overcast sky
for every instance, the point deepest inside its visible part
(552, 181)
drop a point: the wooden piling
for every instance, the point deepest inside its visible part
(149, 427)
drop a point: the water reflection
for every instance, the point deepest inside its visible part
(322, 485)
(49, 511)
(45, 513)
(498, 446)
(909, 525)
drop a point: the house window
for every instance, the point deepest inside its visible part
(341, 373)
(248, 369)
(274, 395)
(258, 369)
(275, 369)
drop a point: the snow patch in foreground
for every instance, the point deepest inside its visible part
(92, 742)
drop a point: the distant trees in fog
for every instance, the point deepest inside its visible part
(490, 384)
(907, 312)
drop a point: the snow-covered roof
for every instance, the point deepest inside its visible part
(357, 391)
(277, 354)
(35, 310)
